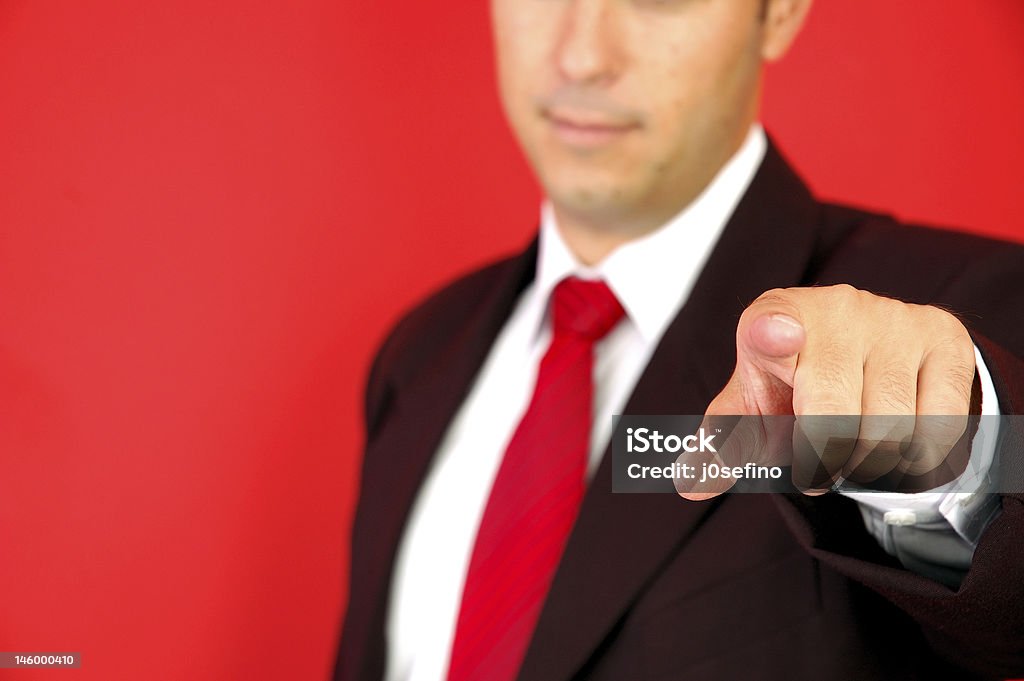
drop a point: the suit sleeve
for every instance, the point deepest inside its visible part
(980, 625)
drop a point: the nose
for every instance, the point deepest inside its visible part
(587, 50)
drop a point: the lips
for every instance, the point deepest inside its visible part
(584, 129)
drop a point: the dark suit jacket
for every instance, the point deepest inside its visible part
(747, 586)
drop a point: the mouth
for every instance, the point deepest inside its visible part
(586, 130)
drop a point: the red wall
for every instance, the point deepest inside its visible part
(211, 212)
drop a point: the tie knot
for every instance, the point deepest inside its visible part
(585, 308)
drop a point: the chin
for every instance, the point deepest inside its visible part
(594, 208)
(588, 188)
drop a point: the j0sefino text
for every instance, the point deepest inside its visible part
(709, 471)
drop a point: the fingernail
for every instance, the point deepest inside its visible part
(786, 319)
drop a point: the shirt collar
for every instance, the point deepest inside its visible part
(653, 275)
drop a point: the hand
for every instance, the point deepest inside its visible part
(841, 353)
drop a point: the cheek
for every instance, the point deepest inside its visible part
(513, 93)
(678, 117)
(674, 83)
(690, 69)
(522, 35)
(520, 67)
(692, 99)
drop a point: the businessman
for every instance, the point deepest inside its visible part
(680, 267)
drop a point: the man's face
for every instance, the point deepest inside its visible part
(627, 108)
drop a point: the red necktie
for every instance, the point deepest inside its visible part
(536, 494)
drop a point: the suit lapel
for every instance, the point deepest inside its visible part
(620, 540)
(398, 459)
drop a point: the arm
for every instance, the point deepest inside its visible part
(823, 365)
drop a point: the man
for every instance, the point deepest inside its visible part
(677, 254)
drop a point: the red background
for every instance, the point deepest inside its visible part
(211, 212)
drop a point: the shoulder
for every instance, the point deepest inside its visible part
(428, 330)
(911, 261)
(436, 317)
(852, 243)
(978, 279)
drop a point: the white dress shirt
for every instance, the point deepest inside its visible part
(652, 277)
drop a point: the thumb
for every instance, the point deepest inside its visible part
(769, 341)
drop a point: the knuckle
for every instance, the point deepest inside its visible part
(774, 296)
(943, 430)
(846, 293)
(960, 377)
(833, 365)
(964, 353)
(845, 289)
(896, 391)
(891, 306)
(947, 324)
(828, 388)
(953, 392)
(819, 404)
(956, 352)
